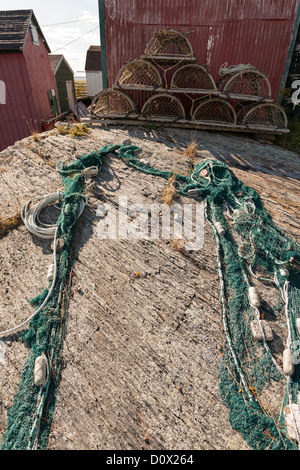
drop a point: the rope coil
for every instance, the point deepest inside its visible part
(231, 69)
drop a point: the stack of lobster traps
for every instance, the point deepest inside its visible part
(167, 85)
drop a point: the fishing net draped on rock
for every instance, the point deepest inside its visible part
(245, 235)
(248, 246)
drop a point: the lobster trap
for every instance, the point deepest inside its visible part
(113, 103)
(214, 111)
(169, 45)
(193, 78)
(263, 115)
(249, 85)
(167, 85)
(138, 74)
(163, 107)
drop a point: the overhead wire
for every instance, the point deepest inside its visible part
(77, 39)
(69, 22)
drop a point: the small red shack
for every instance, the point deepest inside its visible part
(27, 86)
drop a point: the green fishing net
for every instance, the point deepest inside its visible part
(248, 247)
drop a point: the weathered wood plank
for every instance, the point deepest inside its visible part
(183, 125)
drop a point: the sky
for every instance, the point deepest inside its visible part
(81, 26)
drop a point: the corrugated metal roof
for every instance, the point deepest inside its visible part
(233, 31)
(14, 25)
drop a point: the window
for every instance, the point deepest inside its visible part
(34, 34)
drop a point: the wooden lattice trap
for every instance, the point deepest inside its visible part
(251, 85)
(171, 46)
(138, 74)
(113, 103)
(214, 111)
(193, 78)
(269, 116)
(163, 107)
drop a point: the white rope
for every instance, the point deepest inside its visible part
(224, 315)
(90, 171)
(172, 184)
(208, 178)
(257, 314)
(285, 296)
(11, 330)
(286, 288)
(266, 346)
(30, 216)
(229, 210)
(292, 411)
(224, 70)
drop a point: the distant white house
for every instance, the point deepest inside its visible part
(94, 80)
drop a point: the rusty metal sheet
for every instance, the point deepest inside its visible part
(232, 31)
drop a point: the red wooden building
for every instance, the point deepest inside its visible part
(259, 32)
(27, 91)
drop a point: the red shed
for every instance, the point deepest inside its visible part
(27, 95)
(257, 32)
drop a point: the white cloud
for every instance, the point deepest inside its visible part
(88, 15)
(58, 36)
(75, 52)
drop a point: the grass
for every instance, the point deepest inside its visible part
(150, 126)
(291, 141)
(32, 126)
(62, 130)
(178, 245)
(168, 193)
(79, 130)
(76, 130)
(191, 151)
(35, 136)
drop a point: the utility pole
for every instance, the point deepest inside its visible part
(103, 43)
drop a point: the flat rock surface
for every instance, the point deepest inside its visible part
(145, 336)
